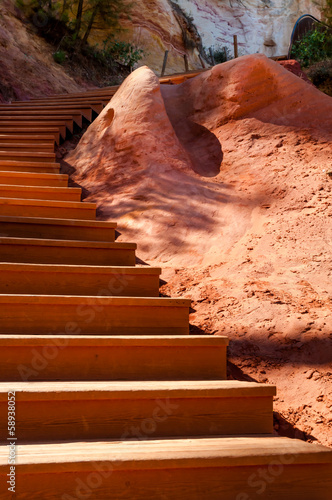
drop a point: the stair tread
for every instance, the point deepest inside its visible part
(69, 268)
(132, 389)
(32, 175)
(23, 153)
(166, 453)
(19, 163)
(51, 189)
(60, 222)
(66, 243)
(78, 299)
(114, 340)
(24, 137)
(47, 203)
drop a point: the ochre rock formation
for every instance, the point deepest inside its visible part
(260, 25)
(27, 68)
(224, 179)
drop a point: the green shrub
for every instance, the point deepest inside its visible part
(222, 54)
(59, 56)
(115, 51)
(315, 45)
(321, 75)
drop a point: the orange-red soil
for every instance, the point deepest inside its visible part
(223, 180)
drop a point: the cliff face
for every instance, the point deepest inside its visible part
(262, 26)
(27, 68)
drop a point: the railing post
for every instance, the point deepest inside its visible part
(212, 56)
(164, 63)
(236, 50)
(186, 64)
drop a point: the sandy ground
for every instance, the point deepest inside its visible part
(224, 181)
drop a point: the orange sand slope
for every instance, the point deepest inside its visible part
(225, 178)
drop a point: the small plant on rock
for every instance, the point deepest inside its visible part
(221, 55)
(315, 45)
(59, 56)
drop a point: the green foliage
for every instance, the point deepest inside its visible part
(59, 56)
(222, 54)
(321, 75)
(80, 17)
(117, 51)
(315, 45)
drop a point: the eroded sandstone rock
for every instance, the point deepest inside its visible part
(223, 180)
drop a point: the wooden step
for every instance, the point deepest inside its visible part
(51, 279)
(34, 127)
(19, 207)
(45, 357)
(76, 252)
(72, 98)
(96, 105)
(214, 468)
(27, 139)
(49, 111)
(58, 229)
(43, 157)
(40, 192)
(96, 93)
(129, 409)
(29, 166)
(27, 146)
(55, 314)
(37, 118)
(33, 179)
(31, 131)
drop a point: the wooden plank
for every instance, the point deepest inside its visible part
(76, 252)
(58, 229)
(52, 314)
(59, 127)
(33, 179)
(35, 119)
(104, 481)
(40, 192)
(111, 410)
(37, 279)
(43, 156)
(31, 134)
(45, 357)
(29, 166)
(19, 207)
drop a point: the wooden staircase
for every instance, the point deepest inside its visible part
(114, 399)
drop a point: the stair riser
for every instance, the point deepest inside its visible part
(26, 180)
(55, 212)
(54, 361)
(40, 124)
(92, 318)
(71, 283)
(67, 255)
(44, 115)
(37, 194)
(39, 158)
(34, 141)
(100, 418)
(38, 169)
(22, 129)
(34, 147)
(36, 128)
(30, 230)
(104, 480)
